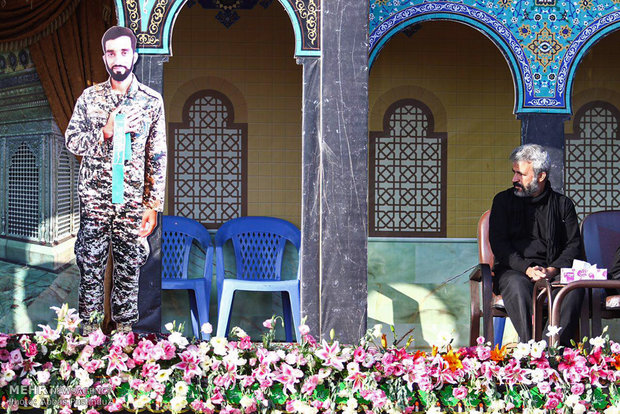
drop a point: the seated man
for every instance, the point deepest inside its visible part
(533, 232)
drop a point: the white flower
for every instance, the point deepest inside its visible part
(537, 375)
(572, 400)
(36, 401)
(206, 328)
(497, 406)
(141, 401)
(233, 358)
(612, 410)
(443, 340)
(163, 375)
(353, 367)
(376, 330)
(246, 402)
(84, 377)
(219, 345)
(181, 388)
(169, 326)
(553, 330)
(579, 408)
(538, 348)
(521, 351)
(8, 375)
(597, 342)
(177, 404)
(43, 376)
(178, 339)
(238, 332)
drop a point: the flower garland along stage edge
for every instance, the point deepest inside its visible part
(59, 369)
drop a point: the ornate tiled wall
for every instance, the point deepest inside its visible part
(543, 40)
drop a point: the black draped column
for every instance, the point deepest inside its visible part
(335, 176)
(150, 71)
(310, 219)
(547, 130)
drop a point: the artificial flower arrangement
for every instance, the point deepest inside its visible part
(64, 371)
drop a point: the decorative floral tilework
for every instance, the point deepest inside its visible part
(542, 39)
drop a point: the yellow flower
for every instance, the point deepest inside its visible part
(498, 354)
(453, 360)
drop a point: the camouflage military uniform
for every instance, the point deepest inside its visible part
(102, 222)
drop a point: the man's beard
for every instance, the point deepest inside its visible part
(119, 77)
(528, 191)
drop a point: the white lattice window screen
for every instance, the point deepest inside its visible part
(209, 164)
(408, 176)
(23, 195)
(66, 195)
(592, 162)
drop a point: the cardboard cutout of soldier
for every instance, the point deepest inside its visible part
(118, 128)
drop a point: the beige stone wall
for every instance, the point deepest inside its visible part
(454, 69)
(253, 63)
(466, 82)
(598, 76)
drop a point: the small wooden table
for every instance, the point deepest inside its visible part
(542, 291)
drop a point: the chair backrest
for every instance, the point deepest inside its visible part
(601, 237)
(485, 254)
(179, 233)
(258, 243)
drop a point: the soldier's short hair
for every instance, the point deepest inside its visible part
(115, 32)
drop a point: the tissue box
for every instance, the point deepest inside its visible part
(591, 273)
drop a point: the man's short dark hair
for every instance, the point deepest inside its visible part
(115, 32)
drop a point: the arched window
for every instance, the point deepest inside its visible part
(23, 194)
(592, 153)
(407, 167)
(209, 161)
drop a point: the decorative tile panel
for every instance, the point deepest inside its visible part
(407, 195)
(543, 40)
(209, 161)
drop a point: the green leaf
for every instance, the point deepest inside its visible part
(277, 394)
(446, 397)
(599, 399)
(234, 395)
(341, 400)
(123, 389)
(361, 400)
(515, 398)
(472, 400)
(423, 397)
(320, 393)
(537, 398)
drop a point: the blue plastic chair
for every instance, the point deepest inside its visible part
(258, 243)
(179, 234)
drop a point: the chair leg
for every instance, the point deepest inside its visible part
(194, 312)
(224, 311)
(498, 330)
(202, 304)
(296, 312)
(286, 311)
